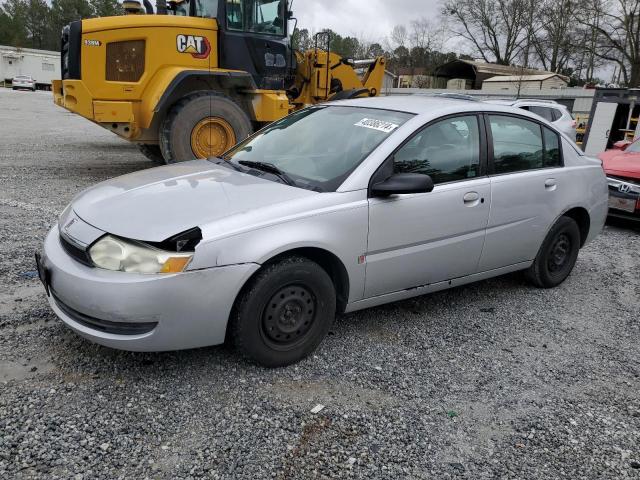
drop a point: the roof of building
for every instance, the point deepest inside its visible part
(526, 78)
(7, 49)
(463, 68)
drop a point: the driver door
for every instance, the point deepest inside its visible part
(420, 239)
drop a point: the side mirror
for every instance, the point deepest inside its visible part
(403, 183)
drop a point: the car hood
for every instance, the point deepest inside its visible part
(153, 205)
(624, 164)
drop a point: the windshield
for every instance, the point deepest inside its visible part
(201, 8)
(320, 146)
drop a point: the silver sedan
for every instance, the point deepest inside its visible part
(334, 208)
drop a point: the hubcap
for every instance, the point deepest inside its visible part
(211, 137)
(559, 253)
(289, 315)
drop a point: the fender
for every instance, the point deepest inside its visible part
(226, 79)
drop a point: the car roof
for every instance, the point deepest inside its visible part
(432, 106)
(537, 103)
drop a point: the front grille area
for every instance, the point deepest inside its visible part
(125, 61)
(75, 252)
(106, 326)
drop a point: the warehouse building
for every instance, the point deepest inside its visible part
(471, 74)
(525, 83)
(42, 65)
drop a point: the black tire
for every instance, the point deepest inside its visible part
(284, 312)
(175, 131)
(152, 152)
(557, 255)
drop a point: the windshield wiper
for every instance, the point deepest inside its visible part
(269, 168)
(226, 163)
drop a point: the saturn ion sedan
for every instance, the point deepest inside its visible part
(332, 209)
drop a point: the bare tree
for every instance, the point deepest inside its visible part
(426, 35)
(555, 41)
(399, 36)
(616, 24)
(496, 28)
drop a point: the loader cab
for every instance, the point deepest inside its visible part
(254, 38)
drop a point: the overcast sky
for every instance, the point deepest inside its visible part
(368, 19)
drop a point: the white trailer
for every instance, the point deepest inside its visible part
(42, 65)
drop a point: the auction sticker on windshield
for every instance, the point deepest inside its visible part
(381, 126)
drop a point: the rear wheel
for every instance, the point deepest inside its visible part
(152, 152)
(284, 313)
(202, 125)
(557, 255)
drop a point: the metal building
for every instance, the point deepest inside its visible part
(42, 65)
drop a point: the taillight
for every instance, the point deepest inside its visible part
(125, 61)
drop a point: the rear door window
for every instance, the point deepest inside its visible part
(517, 144)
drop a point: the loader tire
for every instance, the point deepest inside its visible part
(202, 125)
(152, 152)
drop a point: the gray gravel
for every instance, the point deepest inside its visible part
(492, 380)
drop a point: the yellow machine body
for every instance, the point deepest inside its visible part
(131, 67)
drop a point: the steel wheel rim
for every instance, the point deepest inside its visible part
(289, 316)
(211, 137)
(559, 253)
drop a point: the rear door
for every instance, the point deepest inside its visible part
(420, 239)
(527, 184)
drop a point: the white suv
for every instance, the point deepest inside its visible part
(550, 110)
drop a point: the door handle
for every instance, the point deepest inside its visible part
(470, 197)
(550, 184)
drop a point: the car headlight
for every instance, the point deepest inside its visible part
(112, 253)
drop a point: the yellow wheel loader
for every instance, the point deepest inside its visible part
(197, 76)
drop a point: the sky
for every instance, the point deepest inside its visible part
(371, 20)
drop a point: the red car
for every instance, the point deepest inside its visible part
(622, 166)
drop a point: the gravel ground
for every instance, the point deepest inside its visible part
(492, 380)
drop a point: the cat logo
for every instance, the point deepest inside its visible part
(198, 47)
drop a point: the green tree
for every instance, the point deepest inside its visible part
(301, 40)
(37, 21)
(375, 50)
(106, 8)
(64, 12)
(14, 14)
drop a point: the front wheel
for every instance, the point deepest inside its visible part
(284, 313)
(152, 152)
(202, 125)
(557, 255)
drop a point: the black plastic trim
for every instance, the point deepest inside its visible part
(106, 326)
(163, 102)
(75, 44)
(75, 252)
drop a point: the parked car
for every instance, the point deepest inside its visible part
(551, 111)
(23, 81)
(622, 166)
(334, 208)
